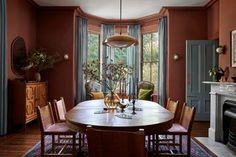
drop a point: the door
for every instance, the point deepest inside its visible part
(200, 58)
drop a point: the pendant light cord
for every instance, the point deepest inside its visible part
(120, 16)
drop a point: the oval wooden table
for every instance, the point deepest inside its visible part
(153, 118)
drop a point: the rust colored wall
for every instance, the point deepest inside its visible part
(227, 24)
(56, 33)
(213, 21)
(21, 21)
(183, 24)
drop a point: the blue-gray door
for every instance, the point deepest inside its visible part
(200, 58)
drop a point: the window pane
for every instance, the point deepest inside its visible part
(150, 58)
(146, 72)
(154, 73)
(93, 47)
(155, 49)
(121, 55)
(147, 47)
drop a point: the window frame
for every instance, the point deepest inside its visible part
(142, 53)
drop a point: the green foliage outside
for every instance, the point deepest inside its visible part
(150, 58)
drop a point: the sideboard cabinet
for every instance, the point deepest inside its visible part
(24, 97)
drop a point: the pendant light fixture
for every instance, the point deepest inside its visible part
(120, 41)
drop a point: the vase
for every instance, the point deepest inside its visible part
(217, 77)
(111, 100)
(37, 76)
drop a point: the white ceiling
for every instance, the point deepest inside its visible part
(131, 9)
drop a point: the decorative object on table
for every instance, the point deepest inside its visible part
(122, 106)
(133, 101)
(113, 73)
(233, 48)
(39, 60)
(216, 73)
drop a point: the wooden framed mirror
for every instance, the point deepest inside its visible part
(18, 56)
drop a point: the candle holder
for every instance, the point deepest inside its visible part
(133, 101)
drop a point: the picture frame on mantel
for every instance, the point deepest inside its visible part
(233, 48)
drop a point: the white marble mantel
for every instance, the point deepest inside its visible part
(220, 91)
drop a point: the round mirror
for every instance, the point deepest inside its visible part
(18, 55)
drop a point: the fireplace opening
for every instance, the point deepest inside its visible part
(229, 124)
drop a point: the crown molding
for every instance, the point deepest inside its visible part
(212, 2)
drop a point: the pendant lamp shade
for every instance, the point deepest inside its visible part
(120, 41)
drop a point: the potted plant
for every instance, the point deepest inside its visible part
(216, 73)
(39, 60)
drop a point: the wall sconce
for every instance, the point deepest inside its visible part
(66, 56)
(220, 49)
(176, 56)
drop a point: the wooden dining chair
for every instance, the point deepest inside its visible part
(108, 143)
(59, 110)
(172, 106)
(49, 127)
(182, 128)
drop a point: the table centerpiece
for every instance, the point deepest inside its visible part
(112, 75)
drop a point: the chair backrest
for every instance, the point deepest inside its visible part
(172, 106)
(144, 86)
(187, 117)
(59, 109)
(93, 90)
(107, 143)
(45, 116)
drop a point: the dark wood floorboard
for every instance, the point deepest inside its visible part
(16, 144)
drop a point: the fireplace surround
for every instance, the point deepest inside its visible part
(220, 92)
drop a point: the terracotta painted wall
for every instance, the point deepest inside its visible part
(56, 33)
(213, 21)
(227, 24)
(21, 21)
(183, 24)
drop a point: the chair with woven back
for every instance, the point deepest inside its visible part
(172, 106)
(48, 126)
(184, 127)
(59, 110)
(108, 143)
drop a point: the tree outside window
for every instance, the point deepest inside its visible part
(150, 58)
(93, 47)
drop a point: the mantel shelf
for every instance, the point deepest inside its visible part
(219, 83)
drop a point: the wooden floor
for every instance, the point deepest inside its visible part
(15, 145)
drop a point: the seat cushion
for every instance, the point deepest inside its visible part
(58, 128)
(144, 94)
(96, 95)
(177, 128)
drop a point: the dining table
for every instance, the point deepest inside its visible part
(147, 115)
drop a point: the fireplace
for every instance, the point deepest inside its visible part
(229, 124)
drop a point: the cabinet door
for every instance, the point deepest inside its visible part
(30, 110)
(41, 94)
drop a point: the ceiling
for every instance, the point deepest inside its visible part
(131, 9)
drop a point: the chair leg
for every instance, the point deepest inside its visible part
(188, 145)
(53, 143)
(180, 142)
(42, 144)
(74, 145)
(157, 145)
